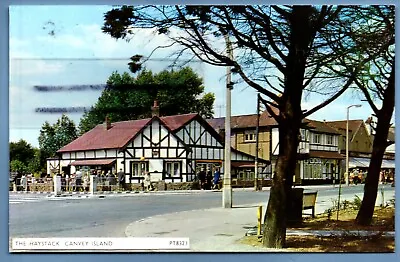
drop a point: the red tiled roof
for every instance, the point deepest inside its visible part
(177, 121)
(319, 126)
(243, 121)
(341, 125)
(92, 162)
(120, 133)
(266, 119)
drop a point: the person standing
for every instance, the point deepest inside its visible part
(86, 182)
(209, 178)
(24, 182)
(63, 182)
(202, 178)
(121, 179)
(217, 175)
(147, 182)
(72, 182)
(78, 180)
(109, 179)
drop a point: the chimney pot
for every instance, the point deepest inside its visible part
(155, 109)
(107, 123)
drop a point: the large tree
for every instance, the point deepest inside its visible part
(377, 84)
(371, 34)
(127, 97)
(25, 158)
(53, 137)
(21, 151)
(280, 51)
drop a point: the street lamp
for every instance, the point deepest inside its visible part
(347, 143)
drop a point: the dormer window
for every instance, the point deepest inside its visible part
(249, 136)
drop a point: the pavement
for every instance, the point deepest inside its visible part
(220, 229)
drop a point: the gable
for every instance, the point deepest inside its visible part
(199, 133)
(156, 136)
(361, 140)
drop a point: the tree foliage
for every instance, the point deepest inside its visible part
(17, 166)
(129, 98)
(282, 52)
(53, 137)
(37, 163)
(21, 151)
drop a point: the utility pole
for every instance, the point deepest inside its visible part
(347, 144)
(256, 156)
(227, 186)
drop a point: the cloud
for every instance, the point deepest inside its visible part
(26, 63)
(36, 67)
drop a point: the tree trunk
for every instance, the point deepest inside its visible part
(364, 216)
(275, 220)
(290, 116)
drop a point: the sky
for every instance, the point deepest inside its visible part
(64, 46)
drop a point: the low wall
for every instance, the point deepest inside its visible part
(249, 183)
(157, 186)
(41, 187)
(35, 187)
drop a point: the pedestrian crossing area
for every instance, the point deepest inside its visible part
(21, 199)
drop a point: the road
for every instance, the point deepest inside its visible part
(42, 216)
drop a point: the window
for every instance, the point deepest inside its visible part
(329, 139)
(173, 169)
(249, 137)
(316, 138)
(139, 168)
(303, 134)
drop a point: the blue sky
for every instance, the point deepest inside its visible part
(44, 39)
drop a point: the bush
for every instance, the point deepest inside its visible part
(356, 204)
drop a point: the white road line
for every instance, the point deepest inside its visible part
(32, 199)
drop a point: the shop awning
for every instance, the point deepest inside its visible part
(364, 162)
(358, 162)
(93, 162)
(386, 163)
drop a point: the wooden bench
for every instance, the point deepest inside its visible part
(309, 199)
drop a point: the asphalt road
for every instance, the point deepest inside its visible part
(109, 216)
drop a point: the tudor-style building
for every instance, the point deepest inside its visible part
(171, 148)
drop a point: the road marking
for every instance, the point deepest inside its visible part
(34, 199)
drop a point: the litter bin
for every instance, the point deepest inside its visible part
(295, 207)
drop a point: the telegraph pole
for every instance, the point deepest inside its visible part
(227, 186)
(256, 156)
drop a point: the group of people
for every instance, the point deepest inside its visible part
(208, 180)
(77, 181)
(386, 177)
(80, 180)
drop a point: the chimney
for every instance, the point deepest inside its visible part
(155, 109)
(107, 123)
